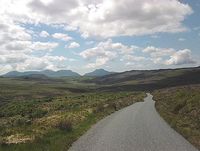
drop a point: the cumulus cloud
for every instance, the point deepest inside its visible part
(133, 58)
(12, 58)
(18, 45)
(41, 63)
(62, 36)
(70, 28)
(106, 51)
(17, 49)
(107, 48)
(181, 57)
(158, 52)
(44, 34)
(44, 46)
(99, 62)
(138, 17)
(74, 45)
(102, 18)
(23, 62)
(169, 56)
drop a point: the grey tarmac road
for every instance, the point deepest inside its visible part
(136, 128)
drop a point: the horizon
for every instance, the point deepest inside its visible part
(103, 69)
(85, 35)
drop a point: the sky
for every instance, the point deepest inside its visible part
(84, 35)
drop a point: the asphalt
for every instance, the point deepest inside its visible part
(136, 128)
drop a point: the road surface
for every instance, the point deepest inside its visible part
(135, 128)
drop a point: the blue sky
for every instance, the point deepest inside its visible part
(86, 35)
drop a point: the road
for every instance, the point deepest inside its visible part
(135, 128)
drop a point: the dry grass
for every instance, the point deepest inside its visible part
(180, 107)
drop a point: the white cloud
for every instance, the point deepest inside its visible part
(23, 62)
(62, 36)
(169, 56)
(106, 51)
(44, 46)
(158, 60)
(138, 17)
(133, 58)
(102, 18)
(41, 63)
(99, 62)
(18, 45)
(70, 28)
(158, 52)
(74, 45)
(180, 57)
(12, 58)
(44, 34)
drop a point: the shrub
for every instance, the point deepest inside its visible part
(65, 125)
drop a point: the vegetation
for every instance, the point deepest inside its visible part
(41, 113)
(180, 107)
(58, 117)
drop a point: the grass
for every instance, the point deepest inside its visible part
(52, 122)
(180, 107)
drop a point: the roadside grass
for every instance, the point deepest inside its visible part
(180, 107)
(54, 122)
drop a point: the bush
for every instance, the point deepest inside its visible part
(65, 125)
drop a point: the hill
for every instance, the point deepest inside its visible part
(48, 73)
(98, 73)
(141, 80)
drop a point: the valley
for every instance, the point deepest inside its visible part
(53, 112)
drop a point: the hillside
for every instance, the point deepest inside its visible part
(180, 107)
(148, 80)
(98, 73)
(148, 75)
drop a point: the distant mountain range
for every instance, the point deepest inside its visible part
(55, 74)
(98, 73)
(48, 73)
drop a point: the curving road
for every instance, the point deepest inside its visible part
(135, 128)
